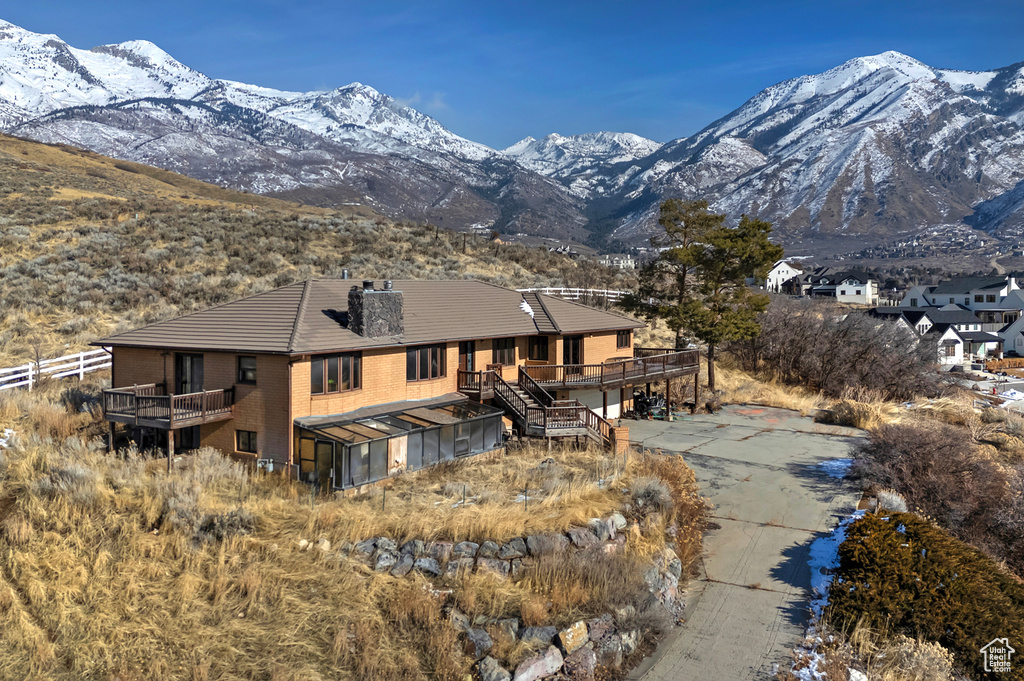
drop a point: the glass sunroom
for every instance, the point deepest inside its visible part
(347, 451)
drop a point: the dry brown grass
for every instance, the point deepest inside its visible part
(111, 568)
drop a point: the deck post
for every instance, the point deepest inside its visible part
(648, 389)
(604, 404)
(668, 399)
(696, 392)
(110, 442)
(622, 400)
(170, 448)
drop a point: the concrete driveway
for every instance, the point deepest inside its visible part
(761, 468)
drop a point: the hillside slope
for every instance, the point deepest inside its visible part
(91, 245)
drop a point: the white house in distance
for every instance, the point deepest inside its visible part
(998, 299)
(955, 331)
(780, 273)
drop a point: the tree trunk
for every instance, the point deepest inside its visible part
(711, 367)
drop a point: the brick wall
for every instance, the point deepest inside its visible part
(262, 408)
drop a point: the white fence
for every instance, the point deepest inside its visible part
(78, 364)
(579, 293)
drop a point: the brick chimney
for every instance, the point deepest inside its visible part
(375, 313)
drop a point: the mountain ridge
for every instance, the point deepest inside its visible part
(877, 146)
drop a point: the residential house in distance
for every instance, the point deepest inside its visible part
(844, 286)
(619, 261)
(998, 300)
(780, 273)
(350, 384)
(955, 330)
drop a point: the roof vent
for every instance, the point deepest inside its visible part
(388, 285)
(344, 273)
(367, 284)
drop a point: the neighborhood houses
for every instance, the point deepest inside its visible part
(845, 286)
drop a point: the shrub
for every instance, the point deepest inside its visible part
(651, 495)
(934, 466)
(901, 574)
(892, 501)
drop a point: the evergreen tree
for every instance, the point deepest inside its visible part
(666, 285)
(697, 285)
(723, 308)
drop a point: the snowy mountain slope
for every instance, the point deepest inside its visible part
(134, 101)
(876, 146)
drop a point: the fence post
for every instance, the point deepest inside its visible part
(81, 366)
(29, 367)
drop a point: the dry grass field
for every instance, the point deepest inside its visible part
(111, 568)
(91, 245)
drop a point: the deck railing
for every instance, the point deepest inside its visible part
(650, 363)
(149, 404)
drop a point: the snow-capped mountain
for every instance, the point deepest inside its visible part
(134, 101)
(877, 146)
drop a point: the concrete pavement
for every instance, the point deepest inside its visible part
(759, 466)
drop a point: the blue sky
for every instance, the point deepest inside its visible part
(496, 72)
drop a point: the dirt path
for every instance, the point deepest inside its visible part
(761, 469)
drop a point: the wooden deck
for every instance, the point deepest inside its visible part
(648, 365)
(147, 405)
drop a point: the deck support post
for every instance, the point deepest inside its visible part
(549, 444)
(696, 392)
(604, 404)
(110, 442)
(648, 389)
(668, 399)
(170, 449)
(622, 401)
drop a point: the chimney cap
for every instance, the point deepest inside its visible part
(367, 284)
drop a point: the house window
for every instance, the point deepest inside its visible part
(622, 339)
(967, 301)
(245, 441)
(842, 292)
(537, 348)
(991, 298)
(978, 298)
(336, 373)
(425, 362)
(857, 292)
(950, 351)
(913, 302)
(247, 370)
(504, 352)
(951, 301)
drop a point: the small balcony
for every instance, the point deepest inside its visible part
(150, 406)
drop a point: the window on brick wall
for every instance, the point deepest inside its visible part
(245, 441)
(538, 348)
(425, 362)
(336, 373)
(623, 339)
(247, 370)
(504, 351)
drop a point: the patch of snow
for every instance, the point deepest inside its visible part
(525, 307)
(5, 441)
(836, 468)
(823, 560)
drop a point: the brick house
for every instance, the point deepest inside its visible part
(353, 383)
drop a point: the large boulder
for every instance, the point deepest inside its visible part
(427, 566)
(538, 635)
(573, 637)
(460, 620)
(581, 665)
(582, 538)
(385, 561)
(599, 627)
(509, 627)
(465, 549)
(488, 549)
(478, 643)
(603, 529)
(413, 547)
(539, 666)
(440, 551)
(491, 670)
(540, 544)
(458, 566)
(498, 567)
(403, 566)
(364, 549)
(630, 641)
(618, 520)
(609, 651)
(513, 548)
(386, 544)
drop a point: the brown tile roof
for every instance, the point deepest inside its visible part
(310, 317)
